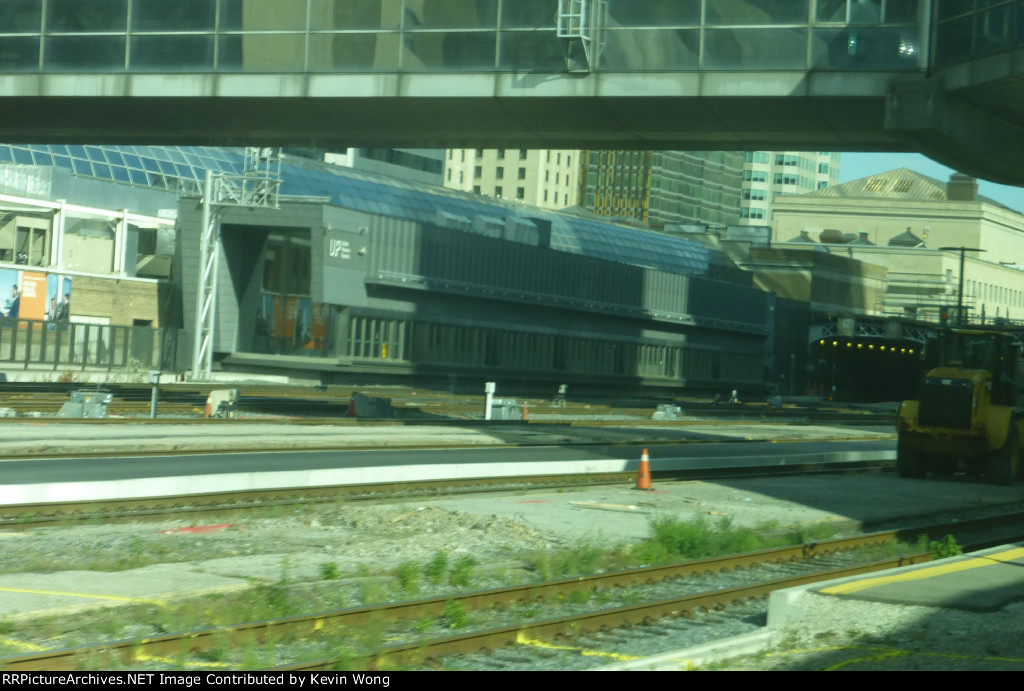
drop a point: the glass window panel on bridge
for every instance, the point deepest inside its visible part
(755, 49)
(426, 15)
(352, 14)
(180, 15)
(444, 51)
(865, 48)
(354, 52)
(262, 53)
(994, 30)
(953, 41)
(652, 13)
(531, 51)
(78, 16)
(948, 9)
(84, 54)
(650, 49)
(177, 53)
(261, 15)
(19, 54)
(528, 14)
(973, 28)
(20, 16)
(756, 12)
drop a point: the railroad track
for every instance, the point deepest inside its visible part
(180, 401)
(293, 634)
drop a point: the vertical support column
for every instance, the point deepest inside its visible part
(206, 290)
(120, 238)
(57, 230)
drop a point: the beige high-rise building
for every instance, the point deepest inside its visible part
(546, 178)
(770, 173)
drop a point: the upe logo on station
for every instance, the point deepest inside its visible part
(339, 249)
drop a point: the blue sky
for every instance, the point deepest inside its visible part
(857, 165)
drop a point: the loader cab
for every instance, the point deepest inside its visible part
(967, 353)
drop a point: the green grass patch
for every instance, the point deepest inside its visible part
(408, 575)
(462, 572)
(436, 569)
(455, 615)
(699, 538)
(946, 547)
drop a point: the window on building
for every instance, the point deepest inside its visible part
(26, 245)
(477, 171)
(287, 263)
(476, 189)
(479, 153)
(501, 154)
(497, 191)
(520, 193)
(522, 154)
(499, 173)
(522, 174)
(461, 177)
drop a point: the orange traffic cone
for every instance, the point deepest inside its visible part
(526, 412)
(209, 406)
(643, 476)
(352, 406)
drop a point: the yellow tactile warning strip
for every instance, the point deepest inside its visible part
(927, 572)
(523, 640)
(15, 643)
(89, 596)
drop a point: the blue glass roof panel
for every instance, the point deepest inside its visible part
(376, 194)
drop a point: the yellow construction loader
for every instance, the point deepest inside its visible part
(967, 416)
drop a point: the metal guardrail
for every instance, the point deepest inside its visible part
(73, 345)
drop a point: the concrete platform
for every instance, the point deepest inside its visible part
(983, 581)
(961, 613)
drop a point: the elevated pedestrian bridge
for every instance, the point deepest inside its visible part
(937, 76)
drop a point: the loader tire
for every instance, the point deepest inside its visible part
(909, 462)
(1003, 464)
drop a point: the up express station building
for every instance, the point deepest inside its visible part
(360, 277)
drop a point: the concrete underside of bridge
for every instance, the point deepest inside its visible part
(681, 111)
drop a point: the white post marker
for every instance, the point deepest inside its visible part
(489, 388)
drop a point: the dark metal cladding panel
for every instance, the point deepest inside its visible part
(945, 403)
